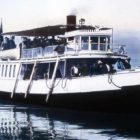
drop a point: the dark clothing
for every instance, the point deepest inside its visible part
(12, 44)
(6, 46)
(98, 69)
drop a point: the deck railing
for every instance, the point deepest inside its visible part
(49, 51)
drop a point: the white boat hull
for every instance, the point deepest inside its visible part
(95, 92)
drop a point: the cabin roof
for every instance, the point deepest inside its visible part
(43, 31)
(50, 30)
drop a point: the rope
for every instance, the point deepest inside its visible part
(110, 80)
(64, 83)
(54, 85)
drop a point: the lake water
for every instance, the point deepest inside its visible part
(20, 122)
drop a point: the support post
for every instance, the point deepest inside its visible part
(30, 80)
(53, 80)
(16, 81)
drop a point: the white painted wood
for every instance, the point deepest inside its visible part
(75, 85)
(10, 54)
(53, 80)
(30, 80)
(16, 80)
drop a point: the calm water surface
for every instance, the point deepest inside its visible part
(18, 122)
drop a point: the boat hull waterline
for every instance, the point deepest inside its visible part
(104, 92)
(127, 99)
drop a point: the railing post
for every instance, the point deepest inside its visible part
(16, 81)
(53, 79)
(30, 80)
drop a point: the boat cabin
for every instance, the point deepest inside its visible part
(89, 40)
(83, 51)
(70, 39)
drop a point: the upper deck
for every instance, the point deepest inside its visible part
(61, 40)
(79, 42)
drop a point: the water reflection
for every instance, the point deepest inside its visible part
(18, 122)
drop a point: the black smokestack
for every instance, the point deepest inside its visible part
(71, 22)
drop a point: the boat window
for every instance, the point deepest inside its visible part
(14, 70)
(86, 67)
(60, 71)
(46, 70)
(77, 39)
(6, 68)
(94, 43)
(51, 68)
(71, 38)
(2, 71)
(78, 67)
(22, 71)
(41, 71)
(108, 42)
(102, 43)
(27, 71)
(10, 69)
(84, 43)
(100, 67)
(122, 65)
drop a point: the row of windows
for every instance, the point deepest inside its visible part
(101, 43)
(7, 71)
(97, 43)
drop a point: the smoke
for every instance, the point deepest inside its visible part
(73, 12)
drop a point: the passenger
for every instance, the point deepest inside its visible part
(47, 42)
(1, 40)
(46, 74)
(58, 74)
(75, 71)
(127, 64)
(121, 50)
(111, 68)
(27, 73)
(119, 65)
(12, 42)
(35, 42)
(5, 44)
(94, 69)
(53, 41)
(84, 70)
(60, 49)
(26, 42)
(103, 68)
(43, 42)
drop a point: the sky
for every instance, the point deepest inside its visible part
(26, 14)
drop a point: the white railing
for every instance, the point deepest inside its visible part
(32, 53)
(119, 49)
(72, 49)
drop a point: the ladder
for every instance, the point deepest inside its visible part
(30, 80)
(53, 80)
(16, 81)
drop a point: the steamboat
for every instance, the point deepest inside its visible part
(68, 66)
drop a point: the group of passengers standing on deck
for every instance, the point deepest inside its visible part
(39, 42)
(7, 43)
